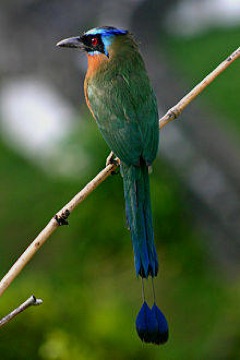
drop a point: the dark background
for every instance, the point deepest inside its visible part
(50, 148)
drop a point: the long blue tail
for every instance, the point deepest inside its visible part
(151, 324)
(139, 217)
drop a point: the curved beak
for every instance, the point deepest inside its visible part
(72, 42)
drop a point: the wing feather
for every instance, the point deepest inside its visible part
(127, 116)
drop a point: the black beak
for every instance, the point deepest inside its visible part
(72, 42)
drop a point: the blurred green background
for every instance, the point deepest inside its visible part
(50, 148)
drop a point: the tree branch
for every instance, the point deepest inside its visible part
(176, 110)
(29, 302)
(61, 217)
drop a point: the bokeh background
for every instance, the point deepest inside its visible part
(50, 147)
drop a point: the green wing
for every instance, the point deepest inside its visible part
(125, 109)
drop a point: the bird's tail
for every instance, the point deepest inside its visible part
(151, 324)
(139, 218)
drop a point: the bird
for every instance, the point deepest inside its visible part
(121, 99)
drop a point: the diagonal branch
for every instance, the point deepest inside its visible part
(176, 110)
(32, 301)
(61, 217)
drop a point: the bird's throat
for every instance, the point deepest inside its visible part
(96, 63)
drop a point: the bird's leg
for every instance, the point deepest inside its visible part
(112, 160)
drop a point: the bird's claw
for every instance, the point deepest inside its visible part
(110, 159)
(113, 160)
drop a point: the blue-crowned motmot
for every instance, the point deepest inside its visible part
(121, 99)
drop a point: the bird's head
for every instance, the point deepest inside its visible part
(95, 41)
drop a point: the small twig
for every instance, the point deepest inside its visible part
(29, 302)
(61, 217)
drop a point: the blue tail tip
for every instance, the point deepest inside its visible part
(151, 325)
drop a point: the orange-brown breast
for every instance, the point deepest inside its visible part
(96, 63)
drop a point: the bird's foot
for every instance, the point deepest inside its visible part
(113, 160)
(110, 159)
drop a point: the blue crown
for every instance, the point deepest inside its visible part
(106, 31)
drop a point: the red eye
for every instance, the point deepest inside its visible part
(94, 41)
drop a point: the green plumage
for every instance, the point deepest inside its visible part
(124, 105)
(120, 97)
(139, 217)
